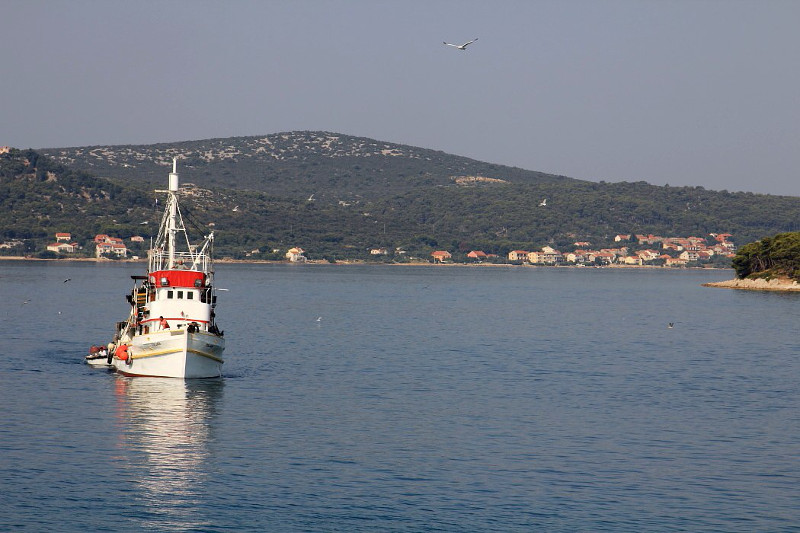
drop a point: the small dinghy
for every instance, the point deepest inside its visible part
(98, 356)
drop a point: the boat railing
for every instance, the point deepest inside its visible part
(159, 260)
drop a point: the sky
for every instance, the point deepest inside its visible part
(679, 92)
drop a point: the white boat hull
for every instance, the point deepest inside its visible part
(99, 362)
(173, 354)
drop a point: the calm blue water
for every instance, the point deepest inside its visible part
(424, 399)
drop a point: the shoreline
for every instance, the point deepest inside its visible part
(775, 285)
(347, 263)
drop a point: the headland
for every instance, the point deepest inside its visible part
(779, 284)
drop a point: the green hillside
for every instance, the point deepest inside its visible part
(39, 197)
(337, 196)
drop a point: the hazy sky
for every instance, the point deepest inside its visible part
(685, 92)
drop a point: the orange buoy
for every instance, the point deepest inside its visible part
(122, 352)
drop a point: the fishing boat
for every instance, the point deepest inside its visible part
(171, 330)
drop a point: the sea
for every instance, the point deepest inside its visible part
(408, 398)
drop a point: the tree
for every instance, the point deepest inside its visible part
(778, 255)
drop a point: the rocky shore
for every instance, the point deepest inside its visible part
(775, 284)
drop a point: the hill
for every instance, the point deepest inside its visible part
(39, 196)
(331, 166)
(337, 196)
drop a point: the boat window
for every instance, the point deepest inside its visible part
(180, 295)
(169, 295)
(190, 295)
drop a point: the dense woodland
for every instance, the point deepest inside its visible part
(338, 196)
(773, 256)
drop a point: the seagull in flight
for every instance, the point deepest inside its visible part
(543, 203)
(461, 46)
(68, 279)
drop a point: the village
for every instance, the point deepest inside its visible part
(657, 251)
(669, 251)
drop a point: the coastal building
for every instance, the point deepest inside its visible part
(648, 255)
(648, 239)
(602, 258)
(547, 256)
(724, 249)
(578, 257)
(675, 261)
(63, 237)
(13, 243)
(106, 245)
(137, 238)
(295, 255)
(379, 251)
(478, 255)
(111, 248)
(616, 251)
(63, 247)
(694, 255)
(518, 255)
(440, 256)
(631, 260)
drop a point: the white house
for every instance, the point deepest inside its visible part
(62, 247)
(295, 255)
(109, 248)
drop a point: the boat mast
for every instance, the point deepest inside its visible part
(172, 227)
(164, 255)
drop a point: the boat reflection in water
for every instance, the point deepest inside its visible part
(166, 427)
